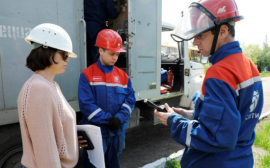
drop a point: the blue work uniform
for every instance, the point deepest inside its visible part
(226, 112)
(95, 14)
(106, 91)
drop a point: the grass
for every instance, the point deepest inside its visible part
(173, 163)
(262, 140)
(264, 161)
(264, 74)
(262, 135)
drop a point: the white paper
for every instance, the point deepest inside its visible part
(96, 156)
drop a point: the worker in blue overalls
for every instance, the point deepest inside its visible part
(95, 14)
(106, 98)
(219, 133)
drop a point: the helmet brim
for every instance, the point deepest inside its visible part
(72, 55)
(117, 49)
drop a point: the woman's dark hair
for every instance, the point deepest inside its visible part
(40, 58)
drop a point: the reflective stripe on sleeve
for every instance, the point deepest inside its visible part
(116, 84)
(188, 139)
(97, 83)
(107, 84)
(93, 114)
(127, 106)
(202, 97)
(247, 83)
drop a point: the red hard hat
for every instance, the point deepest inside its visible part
(222, 9)
(109, 39)
(205, 15)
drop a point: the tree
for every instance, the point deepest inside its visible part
(252, 51)
(263, 59)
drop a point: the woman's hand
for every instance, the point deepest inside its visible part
(82, 142)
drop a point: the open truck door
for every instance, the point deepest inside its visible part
(144, 47)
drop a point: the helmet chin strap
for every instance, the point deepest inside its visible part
(214, 43)
(35, 45)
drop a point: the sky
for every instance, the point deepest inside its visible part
(252, 30)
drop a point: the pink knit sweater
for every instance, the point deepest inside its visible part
(48, 125)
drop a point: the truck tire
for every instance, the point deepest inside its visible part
(10, 146)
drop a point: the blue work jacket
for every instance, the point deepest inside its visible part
(226, 111)
(105, 91)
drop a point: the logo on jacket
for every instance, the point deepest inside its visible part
(116, 79)
(97, 78)
(254, 100)
(253, 106)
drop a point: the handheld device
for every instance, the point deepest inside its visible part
(160, 108)
(85, 137)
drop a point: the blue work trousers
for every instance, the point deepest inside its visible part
(112, 148)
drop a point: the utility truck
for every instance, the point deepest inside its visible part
(140, 26)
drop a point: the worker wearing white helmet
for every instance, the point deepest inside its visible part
(47, 122)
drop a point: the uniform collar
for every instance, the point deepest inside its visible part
(224, 51)
(104, 68)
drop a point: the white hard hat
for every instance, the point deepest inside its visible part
(51, 35)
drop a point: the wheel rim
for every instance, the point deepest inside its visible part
(12, 158)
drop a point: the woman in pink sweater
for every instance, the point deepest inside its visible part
(47, 121)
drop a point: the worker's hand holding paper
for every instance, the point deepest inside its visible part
(96, 156)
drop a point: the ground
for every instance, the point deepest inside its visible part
(147, 143)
